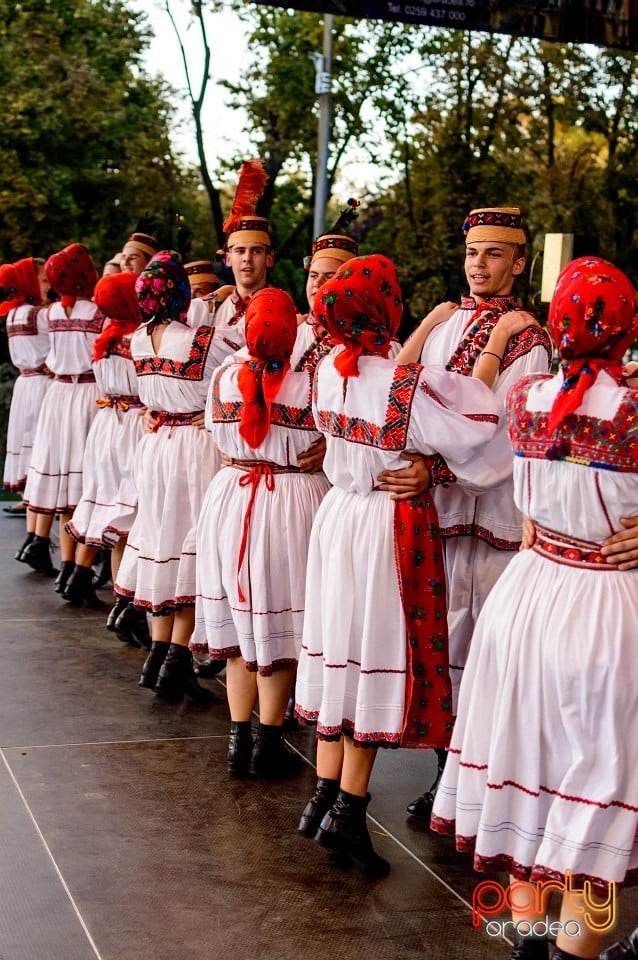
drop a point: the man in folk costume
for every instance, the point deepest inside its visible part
(329, 251)
(481, 533)
(202, 278)
(249, 254)
(137, 251)
(24, 287)
(373, 669)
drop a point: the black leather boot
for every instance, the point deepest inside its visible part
(38, 555)
(102, 569)
(79, 590)
(23, 547)
(209, 668)
(317, 807)
(176, 679)
(345, 830)
(290, 720)
(66, 570)
(271, 755)
(421, 808)
(131, 626)
(626, 949)
(152, 665)
(527, 948)
(240, 747)
(118, 607)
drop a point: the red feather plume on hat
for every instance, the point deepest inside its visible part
(252, 180)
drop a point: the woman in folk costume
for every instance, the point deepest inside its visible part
(105, 513)
(173, 467)
(253, 532)
(373, 667)
(541, 778)
(54, 481)
(25, 287)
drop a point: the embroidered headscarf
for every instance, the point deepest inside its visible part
(360, 307)
(163, 290)
(18, 284)
(593, 320)
(71, 272)
(115, 296)
(271, 330)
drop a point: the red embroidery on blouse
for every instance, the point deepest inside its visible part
(190, 369)
(296, 418)
(64, 324)
(590, 441)
(392, 434)
(27, 326)
(524, 342)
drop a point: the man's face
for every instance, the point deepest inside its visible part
(203, 289)
(249, 263)
(133, 260)
(490, 268)
(321, 270)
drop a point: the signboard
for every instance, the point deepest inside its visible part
(608, 23)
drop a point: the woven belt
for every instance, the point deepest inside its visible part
(165, 419)
(575, 553)
(40, 371)
(249, 465)
(120, 402)
(88, 377)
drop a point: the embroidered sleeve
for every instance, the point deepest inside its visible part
(439, 471)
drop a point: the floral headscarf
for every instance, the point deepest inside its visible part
(71, 272)
(360, 307)
(163, 290)
(593, 320)
(271, 330)
(18, 284)
(115, 296)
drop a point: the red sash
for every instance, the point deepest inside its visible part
(428, 719)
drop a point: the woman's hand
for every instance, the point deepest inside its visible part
(622, 547)
(311, 460)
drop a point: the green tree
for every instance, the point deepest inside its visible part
(85, 133)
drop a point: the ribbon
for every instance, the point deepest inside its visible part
(252, 478)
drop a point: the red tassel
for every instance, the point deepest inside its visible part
(252, 181)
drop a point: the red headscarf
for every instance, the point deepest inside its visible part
(72, 274)
(115, 296)
(19, 283)
(360, 307)
(593, 320)
(271, 330)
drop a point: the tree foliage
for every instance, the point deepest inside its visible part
(85, 133)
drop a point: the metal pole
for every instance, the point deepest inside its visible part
(323, 82)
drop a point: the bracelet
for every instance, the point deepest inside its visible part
(491, 354)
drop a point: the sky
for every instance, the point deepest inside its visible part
(223, 134)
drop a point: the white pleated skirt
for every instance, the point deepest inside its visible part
(173, 468)
(352, 667)
(26, 400)
(542, 774)
(265, 628)
(108, 505)
(472, 567)
(54, 480)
